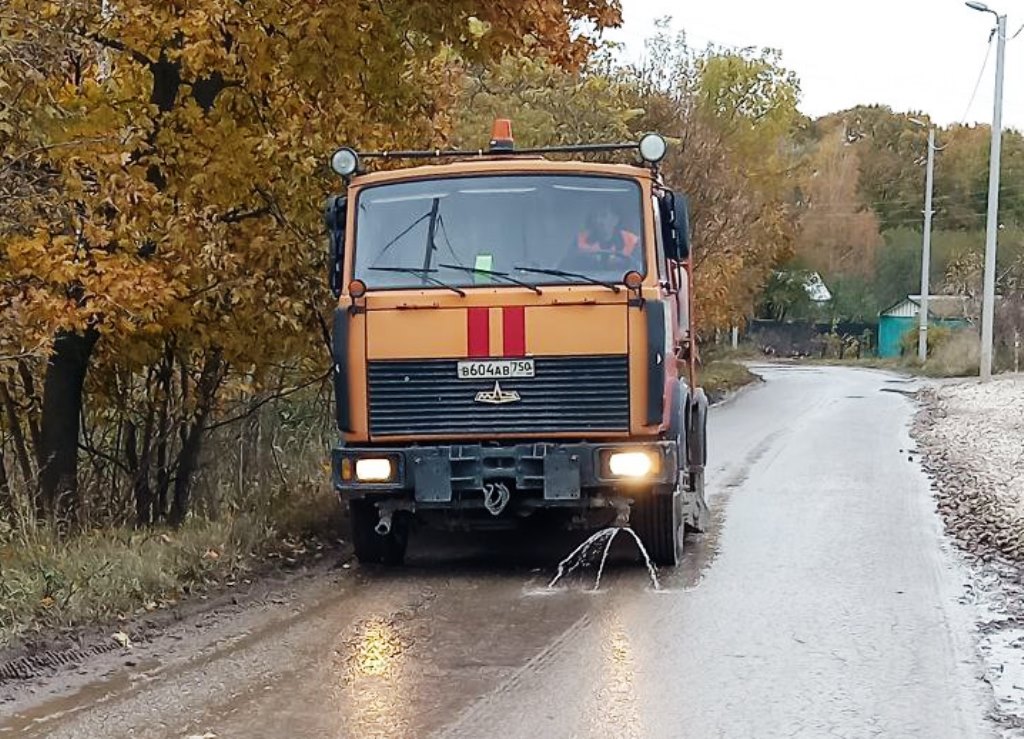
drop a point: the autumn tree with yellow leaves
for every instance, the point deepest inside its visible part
(732, 115)
(161, 178)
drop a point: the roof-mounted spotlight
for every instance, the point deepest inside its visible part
(345, 161)
(652, 147)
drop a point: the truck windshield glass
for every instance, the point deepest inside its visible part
(458, 229)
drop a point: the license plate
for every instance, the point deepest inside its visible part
(498, 369)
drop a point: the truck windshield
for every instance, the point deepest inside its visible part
(455, 230)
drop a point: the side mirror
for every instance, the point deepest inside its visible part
(675, 220)
(334, 219)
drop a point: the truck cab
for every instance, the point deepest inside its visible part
(514, 338)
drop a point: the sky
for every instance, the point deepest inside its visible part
(913, 55)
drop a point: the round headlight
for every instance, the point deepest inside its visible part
(653, 147)
(633, 279)
(345, 162)
(357, 288)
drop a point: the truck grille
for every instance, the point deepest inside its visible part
(411, 397)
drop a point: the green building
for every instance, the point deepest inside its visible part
(898, 319)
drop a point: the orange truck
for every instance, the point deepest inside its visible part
(514, 339)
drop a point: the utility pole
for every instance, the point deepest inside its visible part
(926, 250)
(992, 224)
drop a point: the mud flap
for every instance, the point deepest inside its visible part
(432, 475)
(697, 447)
(696, 514)
(678, 420)
(561, 476)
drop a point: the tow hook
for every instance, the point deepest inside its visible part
(384, 524)
(496, 497)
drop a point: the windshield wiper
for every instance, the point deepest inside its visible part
(422, 273)
(491, 273)
(571, 275)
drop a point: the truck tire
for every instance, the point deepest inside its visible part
(371, 547)
(658, 521)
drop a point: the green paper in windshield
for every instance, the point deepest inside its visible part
(483, 262)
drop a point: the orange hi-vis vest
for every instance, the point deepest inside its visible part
(629, 243)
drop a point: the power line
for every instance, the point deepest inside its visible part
(1004, 189)
(977, 84)
(915, 220)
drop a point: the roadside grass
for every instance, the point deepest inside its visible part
(724, 352)
(263, 498)
(50, 584)
(951, 354)
(719, 377)
(940, 365)
(958, 356)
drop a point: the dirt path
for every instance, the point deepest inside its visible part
(824, 602)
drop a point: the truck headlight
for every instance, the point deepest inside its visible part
(345, 161)
(374, 470)
(652, 147)
(632, 464)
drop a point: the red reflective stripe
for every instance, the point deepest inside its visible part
(478, 331)
(513, 331)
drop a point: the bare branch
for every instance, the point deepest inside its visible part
(120, 46)
(268, 399)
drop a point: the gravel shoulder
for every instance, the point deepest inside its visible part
(971, 438)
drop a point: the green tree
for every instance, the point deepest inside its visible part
(732, 115)
(785, 297)
(548, 104)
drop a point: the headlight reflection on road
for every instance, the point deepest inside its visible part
(375, 695)
(378, 649)
(617, 710)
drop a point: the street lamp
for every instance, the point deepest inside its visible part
(926, 245)
(992, 225)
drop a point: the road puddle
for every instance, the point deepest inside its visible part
(91, 694)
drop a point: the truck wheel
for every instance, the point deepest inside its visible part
(658, 521)
(371, 547)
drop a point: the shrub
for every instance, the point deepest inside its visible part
(958, 356)
(938, 335)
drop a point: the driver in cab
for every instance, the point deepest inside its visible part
(605, 243)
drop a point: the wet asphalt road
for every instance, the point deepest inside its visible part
(824, 602)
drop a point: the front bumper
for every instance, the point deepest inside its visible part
(558, 474)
